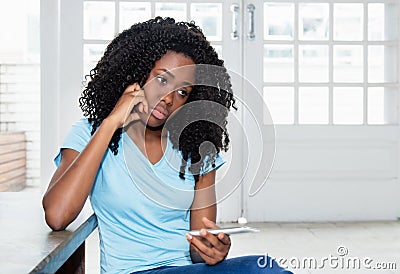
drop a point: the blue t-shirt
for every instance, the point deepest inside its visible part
(143, 210)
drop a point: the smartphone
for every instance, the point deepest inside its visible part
(227, 230)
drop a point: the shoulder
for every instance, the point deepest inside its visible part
(82, 125)
(78, 135)
(212, 164)
(81, 128)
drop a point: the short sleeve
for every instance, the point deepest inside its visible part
(76, 139)
(219, 161)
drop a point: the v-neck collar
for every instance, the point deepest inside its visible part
(127, 138)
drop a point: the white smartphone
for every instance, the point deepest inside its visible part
(227, 230)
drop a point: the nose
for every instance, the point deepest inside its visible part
(168, 98)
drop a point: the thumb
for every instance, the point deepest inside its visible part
(132, 117)
(208, 223)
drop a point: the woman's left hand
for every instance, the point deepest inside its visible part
(212, 248)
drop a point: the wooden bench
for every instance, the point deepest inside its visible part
(12, 161)
(27, 244)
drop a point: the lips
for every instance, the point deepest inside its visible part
(160, 113)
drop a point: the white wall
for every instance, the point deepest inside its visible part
(61, 67)
(20, 111)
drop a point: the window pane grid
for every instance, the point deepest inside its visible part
(116, 15)
(367, 61)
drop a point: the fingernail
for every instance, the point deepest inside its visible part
(203, 232)
(188, 236)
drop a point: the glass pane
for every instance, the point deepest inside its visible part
(91, 55)
(348, 105)
(313, 105)
(278, 21)
(348, 64)
(313, 21)
(133, 12)
(392, 20)
(348, 22)
(278, 63)
(209, 18)
(376, 64)
(174, 10)
(98, 20)
(391, 69)
(376, 21)
(314, 64)
(280, 103)
(376, 105)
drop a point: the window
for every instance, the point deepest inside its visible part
(331, 63)
(104, 19)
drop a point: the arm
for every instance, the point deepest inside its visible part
(204, 201)
(74, 178)
(208, 248)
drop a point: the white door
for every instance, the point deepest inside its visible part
(328, 73)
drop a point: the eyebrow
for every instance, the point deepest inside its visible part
(173, 76)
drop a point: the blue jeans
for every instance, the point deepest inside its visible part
(239, 265)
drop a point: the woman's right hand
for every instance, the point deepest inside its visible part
(129, 105)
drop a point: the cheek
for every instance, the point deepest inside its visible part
(150, 95)
(154, 92)
(178, 102)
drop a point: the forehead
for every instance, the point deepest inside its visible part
(177, 63)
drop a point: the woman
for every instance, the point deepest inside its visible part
(140, 103)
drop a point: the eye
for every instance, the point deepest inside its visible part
(161, 79)
(182, 92)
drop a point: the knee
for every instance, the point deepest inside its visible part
(254, 264)
(266, 264)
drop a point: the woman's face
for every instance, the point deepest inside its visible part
(168, 86)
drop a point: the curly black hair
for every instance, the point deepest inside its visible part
(130, 57)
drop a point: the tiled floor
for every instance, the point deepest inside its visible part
(324, 247)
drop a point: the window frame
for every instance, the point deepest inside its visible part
(390, 108)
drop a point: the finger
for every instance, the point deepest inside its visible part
(140, 107)
(224, 238)
(208, 223)
(136, 99)
(132, 107)
(131, 88)
(145, 105)
(137, 87)
(209, 251)
(212, 239)
(142, 99)
(209, 260)
(134, 116)
(139, 95)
